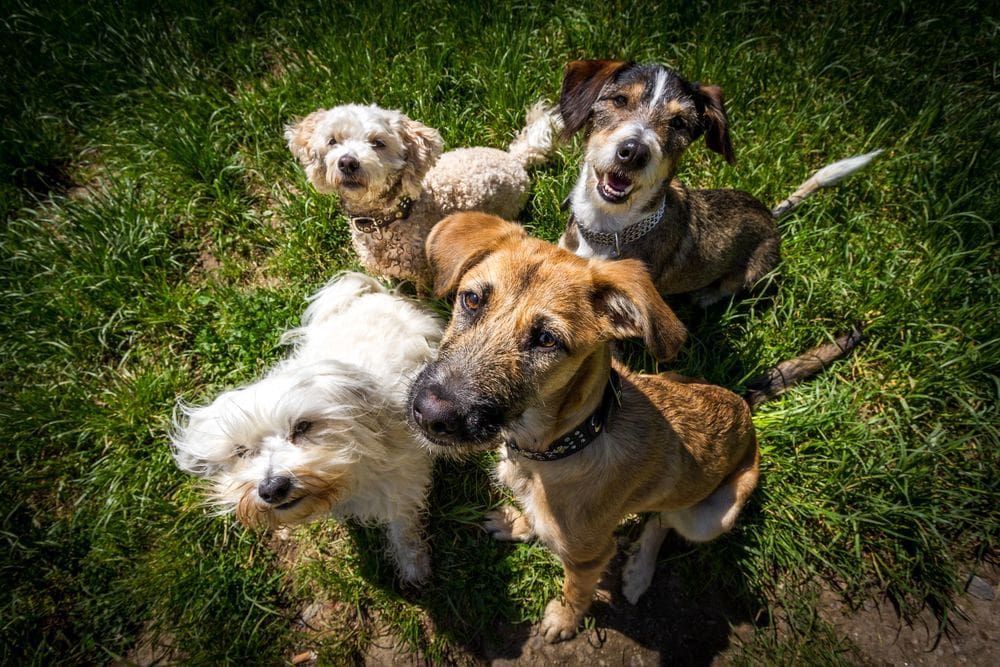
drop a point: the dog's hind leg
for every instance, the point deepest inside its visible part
(717, 513)
(641, 564)
(760, 262)
(409, 550)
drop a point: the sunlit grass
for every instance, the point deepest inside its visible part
(158, 238)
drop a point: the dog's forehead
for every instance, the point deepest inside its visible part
(536, 273)
(356, 120)
(654, 85)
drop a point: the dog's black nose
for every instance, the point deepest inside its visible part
(348, 164)
(435, 414)
(632, 153)
(273, 490)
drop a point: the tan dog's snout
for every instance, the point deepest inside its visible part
(449, 417)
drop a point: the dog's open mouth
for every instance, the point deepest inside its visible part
(289, 504)
(614, 188)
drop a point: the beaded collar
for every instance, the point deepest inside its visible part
(585, 433)
(616, 240)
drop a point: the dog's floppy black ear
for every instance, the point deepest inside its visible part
(423, 148)
(625, 297)
(462, 240)
(715, 121)
(582, 83)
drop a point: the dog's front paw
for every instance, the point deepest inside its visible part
(416, 569)
(637, 576)
(560, 622)
(508, 524)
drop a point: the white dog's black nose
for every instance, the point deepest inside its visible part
(632, 153)
(348, 164)
(274, 490)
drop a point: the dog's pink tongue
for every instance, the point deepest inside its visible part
(617, 182)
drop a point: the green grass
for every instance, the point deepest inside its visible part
(158, 238)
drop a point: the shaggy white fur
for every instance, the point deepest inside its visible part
(395, 185)
(324, 433)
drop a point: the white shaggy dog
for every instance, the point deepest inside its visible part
(324, 433)
(394, 184)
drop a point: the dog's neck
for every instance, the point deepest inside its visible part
(390, 205)
(592, 214)
(584, 406)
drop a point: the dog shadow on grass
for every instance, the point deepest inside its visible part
(698, 606)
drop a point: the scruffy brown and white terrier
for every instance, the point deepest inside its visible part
(638, 120)
(324, 433)
(395, 185)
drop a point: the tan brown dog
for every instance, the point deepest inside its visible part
(526, 362)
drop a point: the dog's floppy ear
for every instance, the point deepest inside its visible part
(582, 83)
(300, 134)
(423, 148)
(715, 121)
(462, 240)
(625, 297)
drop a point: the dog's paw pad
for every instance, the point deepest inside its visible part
(560, 622)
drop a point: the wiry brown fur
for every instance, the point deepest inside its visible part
(675, 446)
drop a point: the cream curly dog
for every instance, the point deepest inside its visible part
(324, 433)
(395, 185)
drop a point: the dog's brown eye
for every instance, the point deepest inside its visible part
(678, 123)
(471, 300)
(377, 143)
(619, 101)
(332, 141)
(301, 428)
(546, 340)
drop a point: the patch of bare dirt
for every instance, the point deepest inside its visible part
(972, 638)
(668, 627)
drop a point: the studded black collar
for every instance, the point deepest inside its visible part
(585, 433)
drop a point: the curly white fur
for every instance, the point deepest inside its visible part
(324, 432)
(373, 157)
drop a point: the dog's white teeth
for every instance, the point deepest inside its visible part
(614, 187)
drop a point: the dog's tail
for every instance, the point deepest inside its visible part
(823, 178)
(538, 137)
(776, 380)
